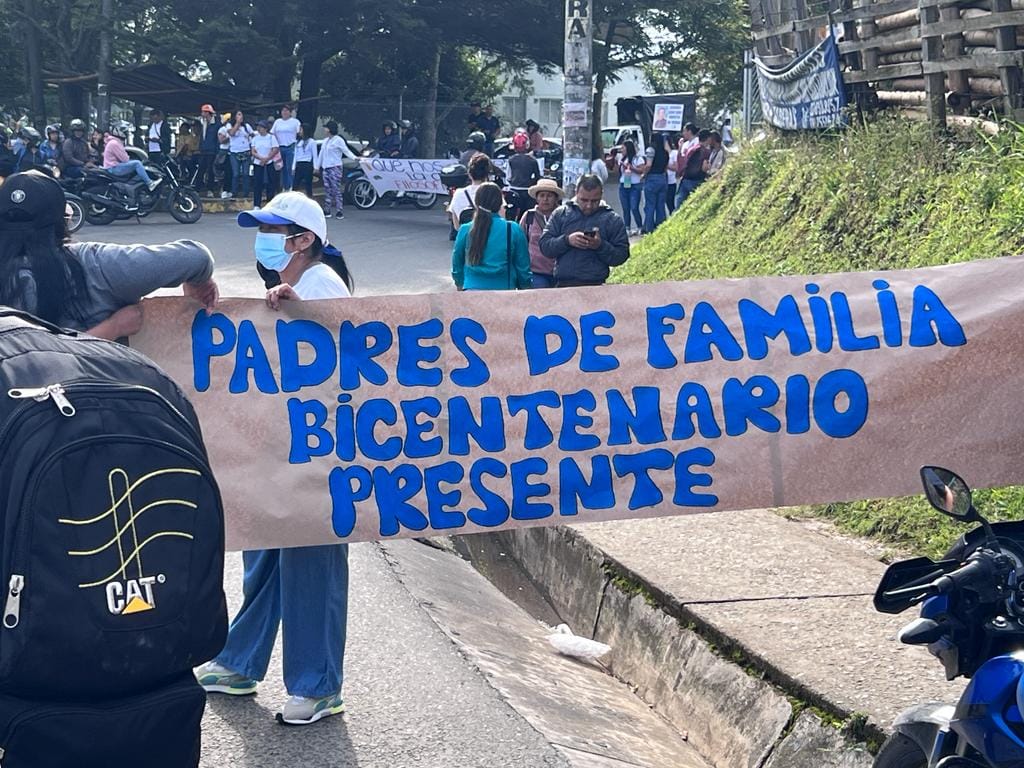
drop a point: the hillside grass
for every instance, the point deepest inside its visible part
(882, 195)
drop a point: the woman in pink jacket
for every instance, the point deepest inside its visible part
(117, 162)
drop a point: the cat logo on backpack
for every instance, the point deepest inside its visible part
(134, 596)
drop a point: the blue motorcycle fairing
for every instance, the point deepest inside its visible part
(981, 714)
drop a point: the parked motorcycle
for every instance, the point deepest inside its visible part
(364, 196)
(108, 197)
(972, 620)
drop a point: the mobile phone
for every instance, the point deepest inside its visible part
(592, 232)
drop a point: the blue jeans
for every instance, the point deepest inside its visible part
(240, 174)
(686, 187)
(306, 590)
(541, 281)
(630, 199)
(129, 167)
(655, 188)
(287, 155)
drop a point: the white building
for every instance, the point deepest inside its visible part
(540, 99)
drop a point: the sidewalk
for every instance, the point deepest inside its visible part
(753, 633)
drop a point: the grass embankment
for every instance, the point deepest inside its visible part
(886, 195)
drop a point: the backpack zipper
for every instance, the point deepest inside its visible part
(53, 392)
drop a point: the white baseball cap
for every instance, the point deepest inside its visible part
(289, 208)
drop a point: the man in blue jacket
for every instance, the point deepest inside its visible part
(585, 237)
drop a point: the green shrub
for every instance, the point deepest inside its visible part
(883, 195)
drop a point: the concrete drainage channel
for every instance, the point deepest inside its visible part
(702, 685)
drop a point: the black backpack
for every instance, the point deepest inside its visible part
(111, 549)
(467, 215)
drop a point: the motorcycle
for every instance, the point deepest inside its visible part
(972, 620)
(364, 196)
(108, 197)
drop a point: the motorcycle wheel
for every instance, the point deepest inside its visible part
(364, 196)
(424, 200)
(98, 215)
(186, 206)
(900, 752)
(77, 214)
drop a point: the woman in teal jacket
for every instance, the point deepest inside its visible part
(490, 254)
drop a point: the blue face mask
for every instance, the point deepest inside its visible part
(270, 251)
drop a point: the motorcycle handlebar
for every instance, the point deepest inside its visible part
(980, 567)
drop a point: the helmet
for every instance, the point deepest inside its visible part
(117, 130)
(520, 142)
(76, 125)
(476, 140)
(53, 128)
(390, 124)
(406, 124)
(30, 134)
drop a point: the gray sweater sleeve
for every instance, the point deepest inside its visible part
(119, 275)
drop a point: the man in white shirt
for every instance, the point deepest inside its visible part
(286, 130)
(158, 142)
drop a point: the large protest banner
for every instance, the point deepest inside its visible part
(807, 93)
(372, 418)
(393, 175)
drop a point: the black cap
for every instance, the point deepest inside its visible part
(30, 200)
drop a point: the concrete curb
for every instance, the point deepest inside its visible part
(737, 710)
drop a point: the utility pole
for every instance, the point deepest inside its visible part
(577, 108)
(103, 68)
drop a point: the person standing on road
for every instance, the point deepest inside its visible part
(286, 130)
(548, 195)
(208, 145)
(631, 168)
(159, 136)
(306, 154)
(91, 287)
(463, 200)
(585, 237)
(489, 125)
(239, 134)
(656, 182)
(264, 152)
(490, 254)
(331, 164)
(302, 589)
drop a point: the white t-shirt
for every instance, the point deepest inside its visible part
(633, 176)
(240, 141)
(263, 146)
(464, 199)
(333, 152)
(673, 158)
(286, 131)
(321, 282)
(154, 136)
(599, 169)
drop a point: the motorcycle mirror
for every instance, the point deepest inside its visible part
(948, 493)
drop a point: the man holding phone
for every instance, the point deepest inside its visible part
(585, 237)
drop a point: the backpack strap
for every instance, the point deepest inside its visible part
(10, 317)
(530, 216)
(468, 198)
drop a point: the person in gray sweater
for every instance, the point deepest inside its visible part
(92, 287)
(585, 237)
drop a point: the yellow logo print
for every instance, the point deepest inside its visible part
(127, 594)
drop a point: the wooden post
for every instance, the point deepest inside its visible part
(1006, 40)
(869, 32)
(931, 53)
(952, 48)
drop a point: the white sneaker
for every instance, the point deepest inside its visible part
(154, 184)
(225, 195)
(218, 679)
(299, 710)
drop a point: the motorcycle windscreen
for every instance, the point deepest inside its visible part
(904, 574)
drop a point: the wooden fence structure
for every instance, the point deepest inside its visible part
(963, 57)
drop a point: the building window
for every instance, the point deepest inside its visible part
(513, 109)
(549, 114)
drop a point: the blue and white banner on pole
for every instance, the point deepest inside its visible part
(807, 93)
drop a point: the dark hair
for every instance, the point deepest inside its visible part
(691, 127)
(39, 274)
(327, 254)
(289, 107)
(156, 111)
(307, 131)
(488, 201)
(479, 167)
(332, 127)
(589, 181)
(716, 136)
(630, 146)
(703, 135)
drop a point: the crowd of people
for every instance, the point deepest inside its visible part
(654, 184)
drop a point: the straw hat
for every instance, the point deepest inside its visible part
(547, 185)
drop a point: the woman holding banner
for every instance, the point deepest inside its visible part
(304, 589)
